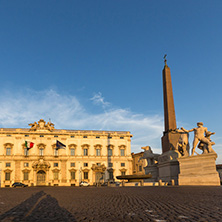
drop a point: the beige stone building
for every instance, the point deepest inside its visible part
(92, 156)
(138, 164)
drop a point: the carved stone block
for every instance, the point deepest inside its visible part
(199, 170)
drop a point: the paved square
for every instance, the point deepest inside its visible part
(111, 204)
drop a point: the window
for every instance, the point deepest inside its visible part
(55, 136)
(85, 164)
(72, 136)
(98, 164)
(72, 152)
(26, 135)
(8, 135)
(110, 152)
(73, 175)
(26, 151)
(122, 152)
(121, 137)
(56, 175)
(84, 136)
(109, 137)
(7, 176)
(85, 175)
(56, 164)
(85, 152)
(97, 137)
(25, 176)
(26, 164)
(41, 136)
(123, 173)
(98, 152)
(111, 175)
(72, 164)
(8, 151)
(110, 164)
(41, 152)
(140, 168)
(56, 152)
(122, 164)
(7, 164)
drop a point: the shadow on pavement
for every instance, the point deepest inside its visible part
(39, 207)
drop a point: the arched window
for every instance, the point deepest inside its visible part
(85, 148)
(72, 148)
(110, 150)
(122, 150)
(98, 149)
(41, 148)
(8, 175)
(8, 149)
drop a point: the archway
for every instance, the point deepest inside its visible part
(41, 175)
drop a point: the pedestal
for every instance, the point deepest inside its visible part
(153, 170)
(168, 166)
(199, 170)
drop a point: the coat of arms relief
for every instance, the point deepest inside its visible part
(42, 125)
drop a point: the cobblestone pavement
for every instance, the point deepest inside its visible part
(156, 204)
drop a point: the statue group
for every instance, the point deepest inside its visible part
(201, 140)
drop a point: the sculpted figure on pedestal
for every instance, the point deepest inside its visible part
(201, 135)
(183, 145)
(33, 126)
(50, 126)
(150, 157)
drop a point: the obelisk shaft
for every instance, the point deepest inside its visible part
(169, 111)
(170, 137)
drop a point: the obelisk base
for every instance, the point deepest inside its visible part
(169, 141)
(198, 170)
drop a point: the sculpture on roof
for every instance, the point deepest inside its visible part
(41, 125)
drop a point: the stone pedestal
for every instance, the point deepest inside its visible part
(153, 170)
(169, 141)
(168, 166)
(199, 170)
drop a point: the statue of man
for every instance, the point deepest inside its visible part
(199, 135)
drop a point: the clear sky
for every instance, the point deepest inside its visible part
(97, 64)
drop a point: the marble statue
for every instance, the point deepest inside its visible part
(183, 145)
(150, 157)
(201, 136)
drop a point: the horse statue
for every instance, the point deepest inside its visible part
(150, 157)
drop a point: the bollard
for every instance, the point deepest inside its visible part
(173, 182)
(160, 183)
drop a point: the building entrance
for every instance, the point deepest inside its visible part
(41, 175)
(99, 177)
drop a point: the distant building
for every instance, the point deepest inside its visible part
(138, 165)
(92, 156)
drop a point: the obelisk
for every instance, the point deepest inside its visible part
(170, 137)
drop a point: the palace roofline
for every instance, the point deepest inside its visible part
(27, 130)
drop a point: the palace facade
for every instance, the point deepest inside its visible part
(92, 156)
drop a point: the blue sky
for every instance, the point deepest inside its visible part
(98, 65)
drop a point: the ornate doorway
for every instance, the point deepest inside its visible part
(41, 175)
(99, 177)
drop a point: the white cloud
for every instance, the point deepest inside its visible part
(17, 110)
(66, 112)
(99, 100)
